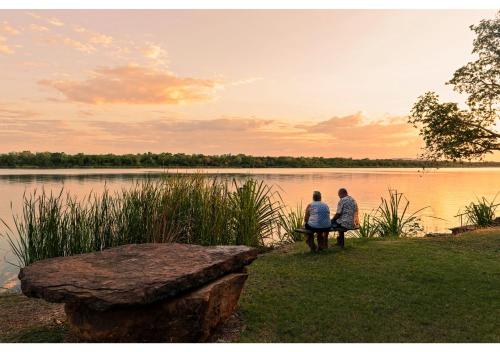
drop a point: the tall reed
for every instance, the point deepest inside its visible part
(393, 217)
(290, 220)
(368, 227)
(256, 208)
(192, 209)
(482, 213)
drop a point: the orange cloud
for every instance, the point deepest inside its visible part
(7, 30)
(20, 130)
(51, 20)
(78, 45)
(153, 51)
(55, 22)
(4, 47)
(92, 36)
(38, 28)
(135, 85)
(7, 112)
(255, 136)
(99, 38)
(353, 129)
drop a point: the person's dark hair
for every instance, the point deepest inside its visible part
(343, 191)
(316, 196)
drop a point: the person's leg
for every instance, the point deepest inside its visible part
(341, 238)
(321, 241)
(310, 241)
(310, 238)
(325, 239)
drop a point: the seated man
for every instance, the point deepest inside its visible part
(317, 219)
(347, 217)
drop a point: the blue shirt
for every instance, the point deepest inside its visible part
(319, 215)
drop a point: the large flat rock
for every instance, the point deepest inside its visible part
(191, 317)
(132, 274)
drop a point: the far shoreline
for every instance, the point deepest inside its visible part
(461, 166)
(148, 160)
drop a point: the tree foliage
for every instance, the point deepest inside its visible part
(62, 160)
(453, 133)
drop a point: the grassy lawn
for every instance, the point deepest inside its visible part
(30, 320)
(442, 289)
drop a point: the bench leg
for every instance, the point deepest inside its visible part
(310, 241)
(322, 240)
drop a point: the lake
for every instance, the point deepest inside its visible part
(444, 191)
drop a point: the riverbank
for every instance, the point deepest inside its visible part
(437, 289)
(169, 160)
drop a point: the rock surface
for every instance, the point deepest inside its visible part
(191, 317)
(131, 275)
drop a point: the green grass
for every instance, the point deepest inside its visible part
(439, 289)
(25, 319)
(45, 334)
(377, 290)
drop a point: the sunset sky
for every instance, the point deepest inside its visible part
(311, 83)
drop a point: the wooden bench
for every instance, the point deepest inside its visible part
(310, 232)
(322, 242)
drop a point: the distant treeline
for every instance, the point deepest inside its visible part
(62, 160)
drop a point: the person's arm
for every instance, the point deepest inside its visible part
(306, 216)
(356, 214)
(339, 211)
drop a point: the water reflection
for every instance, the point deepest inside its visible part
(445, 191)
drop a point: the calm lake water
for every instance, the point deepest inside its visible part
(445, 191)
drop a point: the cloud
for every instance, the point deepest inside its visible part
(38, 28)
(347, 136)
(78, 45)
(255, 136)
(83, 39)
(170, 126)
(4, 47)
(153, 51)
(134, 84)
(336, 123)
(353, 129)
(7, 112)
(55, 21)
(101, 39)
(7, 29)
(22, 129)
(245, 81)
(93, 36)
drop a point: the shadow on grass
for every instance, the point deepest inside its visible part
(45, 334)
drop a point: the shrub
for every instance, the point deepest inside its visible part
(393, 217)
(290, 221)
(192, 209)
(368, 227)
(482, 213)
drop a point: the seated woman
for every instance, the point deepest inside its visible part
(317, 219)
